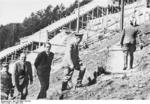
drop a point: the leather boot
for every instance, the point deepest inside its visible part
(64, 87)
(80, 78)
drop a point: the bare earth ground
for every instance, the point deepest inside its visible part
(127, 85)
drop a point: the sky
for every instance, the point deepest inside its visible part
(14, 11)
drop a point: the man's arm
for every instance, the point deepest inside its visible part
(78, 58)
(15, 79)
(122, 38)
(52, 57)
(68, 52)
(139, 36)
(11, 87)
(30, 73)
(37, 60)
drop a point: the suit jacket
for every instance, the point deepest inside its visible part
(22, 73)
(71, 53)
(129, 35)
(43, 63)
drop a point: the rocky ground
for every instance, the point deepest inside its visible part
(126, 85)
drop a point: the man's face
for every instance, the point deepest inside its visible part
(47, 48)
(23, 57)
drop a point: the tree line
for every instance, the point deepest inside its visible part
(10, 33)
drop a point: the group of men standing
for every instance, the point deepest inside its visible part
(22, 72)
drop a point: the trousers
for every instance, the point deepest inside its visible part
(129, 50)
(69, 72)
(44, 82)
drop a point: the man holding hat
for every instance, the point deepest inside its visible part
(6, 82)
(72, 62)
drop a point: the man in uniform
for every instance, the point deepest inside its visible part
(43, 66)
(6, 82)
(22, 74)
(72, 62)
(128, 42)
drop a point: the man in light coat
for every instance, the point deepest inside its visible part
(72, 62)
(128, 43)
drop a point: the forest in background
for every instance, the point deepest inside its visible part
(11, 33)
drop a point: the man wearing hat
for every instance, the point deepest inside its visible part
(72, 62)
(22, 75)
(6, 82)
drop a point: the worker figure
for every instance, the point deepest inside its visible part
(22, 74)
(72, 62)
(43, 66)
(128, 42)
(6, 82)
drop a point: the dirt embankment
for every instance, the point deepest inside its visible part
(131, 84)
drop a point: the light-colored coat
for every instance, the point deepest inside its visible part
(129, 35)
(71, 56)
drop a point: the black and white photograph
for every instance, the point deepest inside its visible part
(65, 51)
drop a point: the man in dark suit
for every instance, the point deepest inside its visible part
(22, 74)
(128, 42)
(43, 67)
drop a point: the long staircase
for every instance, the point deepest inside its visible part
(33, 43)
